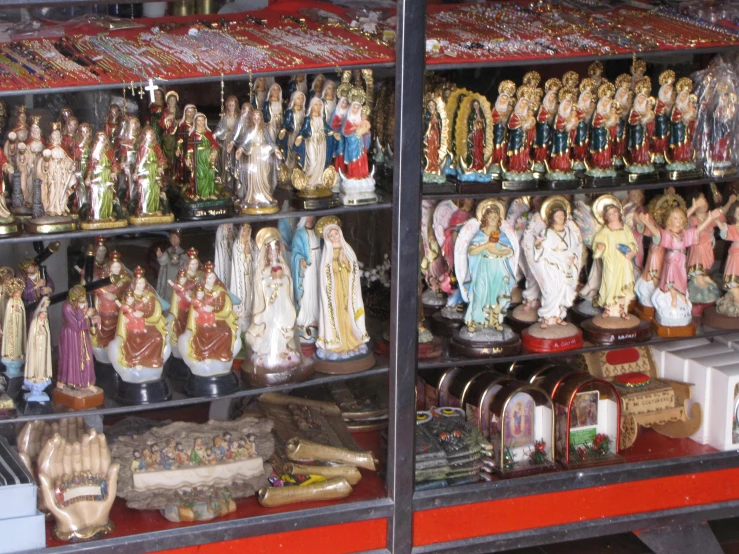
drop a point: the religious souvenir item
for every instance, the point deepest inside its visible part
(170, 262)
(8, 223)
(474, 142)
(599, 163)
(202, 195)
(522, 430)
(211, 340)
(126, 155)
(223, 251)
(587, 306)
(436, 137)
(182, 287)
(545, 117)
(553, 248)
(148, 202)
(433, 265)
(560, 172)
(633, 206)
(639, 132)
(275, 356)
(478, 398)
(102, 209)
(37, 374)
(243, 128)
(272, 112)
(292, 124)
(14, 328)
(114, 124)
(485, 260)
(725, 315)
(79, 495)
(646, 400)
(75, 384)
(720, 158)
(304, 263)
(106, 305)
(169, 126)
(671, 301)
(680, 154)
(257, 157)
(662, 115)
(6, 275)
(341, 346)
(224, 134)
(156, 110)
(54, 183)
(614, 244)
(449, 217)
(517, 173)
(588, 416)
(585, 108)
(140, 347)
(625, 97)
(520, 212)
(500, 114)
(37, 282)
(357, 181)
(243, 261)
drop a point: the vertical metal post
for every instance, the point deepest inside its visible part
(410, 63)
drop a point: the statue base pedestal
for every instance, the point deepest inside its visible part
(426, 350)
(151, 219)
(437, 188)
(111, 224)
(34, 408)
(688, 175)
(636, 331)
(698, 308)
(677, 332)
(142, 393)
(258, 376)
(520, 318)
(478, 187)
(79, 399)
(509, 184)
(218, 385)
(299, 202)
(578, 313)
(715, 320)
(561, 184)
(199, 210)
(51, 224)
(643, 177)
(443, 326)
(644, 312)
(483, 349)
(13, 368)
(36, 391)
(177, 369)
(345, 367)
(596, 182)
(9, 227)
(564, 338)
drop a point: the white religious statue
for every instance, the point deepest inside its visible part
(312, 145)
(294, 117)
(37, 375)
(56, 171)
(306, 254)
(14, 328)
(273, 112)
(256, 168)
(244, 256)
(224, 247)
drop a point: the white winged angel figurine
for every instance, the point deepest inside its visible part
(485, 259)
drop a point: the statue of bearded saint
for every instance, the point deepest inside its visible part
(102, 173)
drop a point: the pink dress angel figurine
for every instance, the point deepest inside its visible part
(671, 299)
(728, 305)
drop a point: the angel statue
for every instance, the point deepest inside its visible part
(433, 266)
(554, 254)
(588, 225)
(486, 256)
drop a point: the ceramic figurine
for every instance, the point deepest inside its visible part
(156, 110)
(102, 209)
(720, 153)
(293, 123)
(184, 127)
(680, 155)
(725, 315)
(38, 372)
(435, 140)
(358, 182)
(170, 262)
(182, 290)
(615, 245)
(243, 259)
(560, 167)
(316, 88)
(433, 266)
(69, 134)
(474, 136)
(36, 143)
(140, 347)
(638, 69)
(639, 131)
(625, 98)
(243, 128)
(499, 117)
(223, 251)
(587, 306)
(586, 103)
(106, 305)
(330, 99)
(100, 261)
(168, 125)
(211, 339)
(305, 257)
(259, 93)
(126, 155)
(14, 328)
(485, 260)
(22, 175)
(201, 157)
(602, 134)
(78, 483)
(275, 356)
(113, 124)
(273, 113)
(553, 249)
(545, 124)
(662, 111)
(517, 165)
(75, 385)
(81, 151)
(148, 203)
(297, 83)
(634, 206)
(256, 159)
(671, 300)
(35, 286)
(224, 134)
(20, 125)
(56, 173)
(6, 274)
(342, 335)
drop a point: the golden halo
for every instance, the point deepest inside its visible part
(553, 202)
(662, 205)
(601, 202)
(267, 235)
(325, 220)
(488, 203)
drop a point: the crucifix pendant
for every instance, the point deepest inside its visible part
(151, 87)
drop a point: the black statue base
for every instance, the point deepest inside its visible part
(478, 187)
(142, 393)
(446, 187)
(37, 408)
(596, 182)
(561, 184)
(314, 202)
(219, 385)
(200, 210)
(688, 175)
(177, 369)
(480, 349)
(643, 177)
(444, 327)
(510, 184)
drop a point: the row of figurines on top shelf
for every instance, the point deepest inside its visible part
(591, 128)
(474, 260)
(318, 140)
(296, 315)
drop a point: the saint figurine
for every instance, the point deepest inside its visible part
(106, 305)
(156, 109)
(224, 247)
(720, 152)
(306, 254)
(358, 183)
(130, 138)
(35, 287)
(312, 147)
(625, 98)
(171, 260)
(640, 130)
(38, 370)
(14, 327)
(293, 123)
(58, 177)
(224, 135)
(148, 203)
(662, 110)
(335, 122)
(184, 127)
(259, 92)
(256, 173)
(202, 155)
(581, 137)
(476, 130)
(560, 167)
(273, 112)
(69, 134)
(434, 151)
(544, 124)
(500, 115)
(102, 172)
(518, 157)
(603, 134)
(182, 290)
(113, 124)
(728, 305)
(76, 362)
(169, 127)
(680, 155)
(244, 256)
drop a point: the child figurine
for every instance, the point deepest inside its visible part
(725, 315)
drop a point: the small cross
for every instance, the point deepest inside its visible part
(151, 88)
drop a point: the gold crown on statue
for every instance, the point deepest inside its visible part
(532, 78)
(357, 95)
(76, 292)
(667, 77)
(606, 90)
(595, 68)
(507, 87)
(115, 256)
(525, 91)
(587, 84)
(570, 79)
(209, 267)
(643, 86)
(638, 67)
(553, 84)
(192, 254)
(684, 84)
(172, 93)
(567, 92)
(25, 263)
(14, 285)
(139, 271)
(623, 80)
(324, 221)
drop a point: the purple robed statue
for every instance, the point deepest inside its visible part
(76, 361)
(35, 287)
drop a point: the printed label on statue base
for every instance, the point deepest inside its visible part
(712, 318)
(299, 202)
(200, 210)
(262, 377)
(47, 225)
(643, 178)
(682, 175)
(79, 399)
(345, 367)
(218, 385)
(537, 343)
(514, 185)
(597, 334)
(676, 332)
(112, 224)
(479, 349)
(142, 393)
